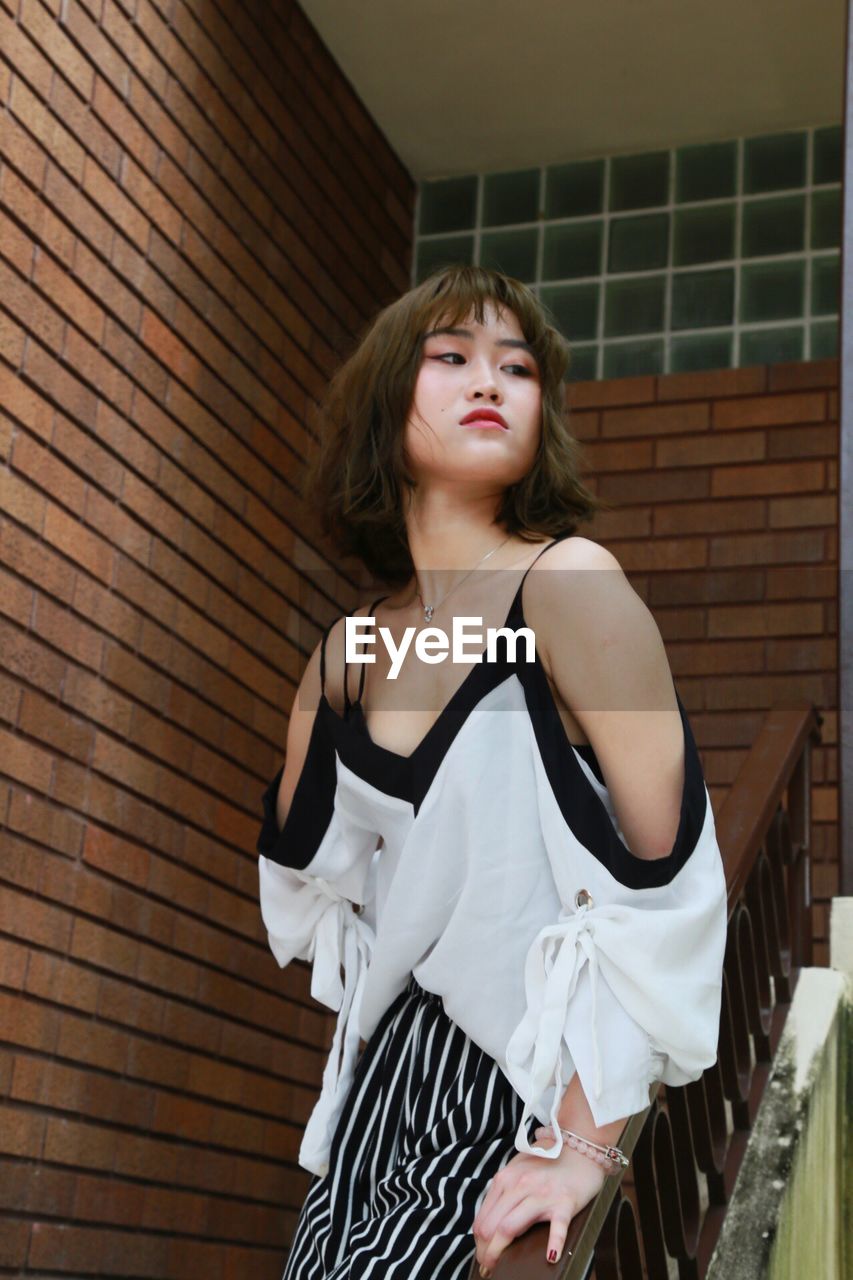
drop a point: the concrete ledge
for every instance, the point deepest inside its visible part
(784, 1217)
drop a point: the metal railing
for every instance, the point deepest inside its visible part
(663, 1216)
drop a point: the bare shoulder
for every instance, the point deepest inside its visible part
(598, 640)
(576, 552)
(580, 591)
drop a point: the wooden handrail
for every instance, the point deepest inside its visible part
(763, 779)
(655, 1212)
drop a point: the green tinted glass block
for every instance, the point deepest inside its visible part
(637, 182)
(702, 299)
(574, 309)
(572, 190)
(512, 252)
(826, 285)
(772, 291)
(824, 337)
(773, 226)
(771, 346)
(450, 250)
(827, 154)
(510, 197)
(449, 204)
(774, 161)
(583, 363)
(639, 244)
(634, 306)
(826, 219)
(706, 172)
(701, 351)
(573, 249)
(704, 234)
(627, 359)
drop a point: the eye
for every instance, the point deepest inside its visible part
(455, 354)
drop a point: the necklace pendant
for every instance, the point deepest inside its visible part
(428, 612)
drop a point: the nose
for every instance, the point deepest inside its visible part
(483, 382)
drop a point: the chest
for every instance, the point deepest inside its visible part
(401, 719)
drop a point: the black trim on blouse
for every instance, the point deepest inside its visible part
(311, 808)
(583, 809)
(410, 778)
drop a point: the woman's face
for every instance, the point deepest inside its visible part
(475, 367)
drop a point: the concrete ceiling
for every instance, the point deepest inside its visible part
(460, 86)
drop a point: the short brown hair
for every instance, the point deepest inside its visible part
(355, 480)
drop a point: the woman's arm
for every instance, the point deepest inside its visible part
(299, 728)
(604, 652)
(303, 712)
(574, 1113)
(602, 648)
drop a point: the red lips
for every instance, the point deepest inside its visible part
(491, 414)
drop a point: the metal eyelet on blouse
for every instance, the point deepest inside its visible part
(583, 898)
(357, 908)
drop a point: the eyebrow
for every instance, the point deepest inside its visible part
(466, 333)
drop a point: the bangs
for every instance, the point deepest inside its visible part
(456, 293)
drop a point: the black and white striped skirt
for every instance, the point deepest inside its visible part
(429, 1120)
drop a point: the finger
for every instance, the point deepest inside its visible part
(488, 1200)
(516, 1221)
(557, 1239)
(493, 1194)
(487, 1222)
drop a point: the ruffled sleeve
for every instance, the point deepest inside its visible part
(626, 984)
(307, 919)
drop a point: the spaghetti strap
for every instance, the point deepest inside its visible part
(323, 656)
(347, 701)
(558, 538)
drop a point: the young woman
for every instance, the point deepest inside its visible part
(513, 860)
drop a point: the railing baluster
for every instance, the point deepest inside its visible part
(646, 1186)
(686, 1166)
(737, 1084)
(752, 965)
(706, 1108)
(761, 914)
(762, 904)
(776, 845)
(618, 1256)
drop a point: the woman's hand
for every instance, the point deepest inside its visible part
(530, 1189)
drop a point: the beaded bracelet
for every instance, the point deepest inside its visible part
(610, 1158)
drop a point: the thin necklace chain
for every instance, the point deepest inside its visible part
(429, 609)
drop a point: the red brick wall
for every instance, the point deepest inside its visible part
(196, 217)
(726, 484)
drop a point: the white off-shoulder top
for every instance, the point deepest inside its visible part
(504, 884)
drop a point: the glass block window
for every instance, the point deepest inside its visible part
(705, 256)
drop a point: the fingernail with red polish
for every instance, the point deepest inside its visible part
(552, 1256)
